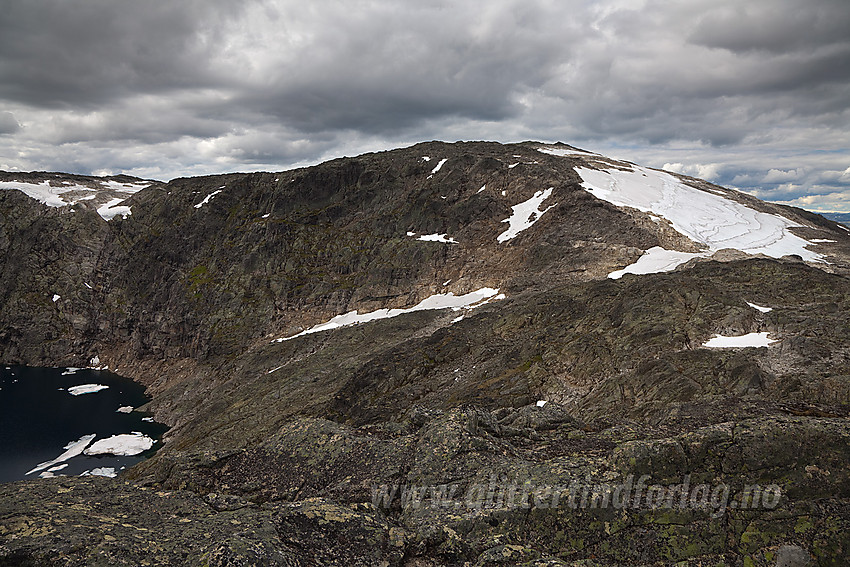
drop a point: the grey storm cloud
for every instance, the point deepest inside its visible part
(8, 123)
(199, 86)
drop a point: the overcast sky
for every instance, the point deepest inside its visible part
(752, 94)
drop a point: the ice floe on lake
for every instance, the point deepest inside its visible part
(86, 389)
(125, 444)
(72, 449)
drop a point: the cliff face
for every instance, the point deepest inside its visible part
(190, 292)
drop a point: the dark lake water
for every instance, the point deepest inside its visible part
(40, 419)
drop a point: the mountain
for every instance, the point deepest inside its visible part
(453, 320)
(843, 218)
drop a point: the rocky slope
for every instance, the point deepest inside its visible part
(280, 449)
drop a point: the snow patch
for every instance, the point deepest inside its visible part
(708, 219)
(56, 297)
(541, 403)
(437, 301)
(86, 389)
(72, 449)
(821, 240)
(483, 187)
(525, 214)
(564, 152)
(112, 209)
(124, 445)
(656, 260)
(437, 238)
(760, 308)
(207, 198)
(439, 166)
(748, 340)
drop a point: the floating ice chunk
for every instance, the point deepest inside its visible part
(208, 197)
(656, 260)
(101, 471)
(148, 419)
(439, 166)
(760, 308)
(748, 340)
(125, 444)
(525, 214)
(70, 371)
(72, 449)
(437, 238)
(437, 301)
(86, 389)
(125, 409)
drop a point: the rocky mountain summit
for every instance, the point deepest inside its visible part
(448, 354)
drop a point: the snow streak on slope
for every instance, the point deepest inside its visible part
(525, 214)
(706, 218)
(438, 301)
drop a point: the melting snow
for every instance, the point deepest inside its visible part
(60, 196)
(437, 301)
(437, 238)
(525, 214)
(760, 308)
(655, 260)
(86, 389)
(439, 166)
(125, 445)
(111, 210)
(706, 218)
(563, 152)
(207, 199)
(72, 449)
(748, 340)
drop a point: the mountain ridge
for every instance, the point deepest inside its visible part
(192, 290)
